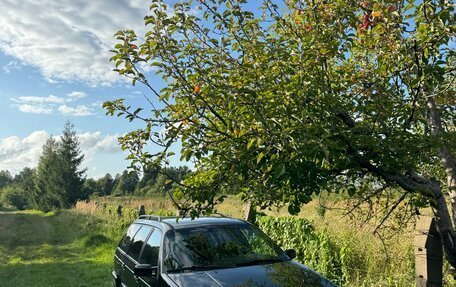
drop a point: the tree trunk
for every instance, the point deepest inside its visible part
(444, 225)
(427, 187)
(449, 162)
(446, 228)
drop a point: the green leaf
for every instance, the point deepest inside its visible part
(260, 157)
(250, 143)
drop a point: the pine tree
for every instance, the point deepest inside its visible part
(48, 182)
(71, 159)
(59, 180)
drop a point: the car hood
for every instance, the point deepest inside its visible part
(283, 274)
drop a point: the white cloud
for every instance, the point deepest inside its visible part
(68, 40)
(77, 95)
(37, 105)
(17, 153)
(51, 99)
(51, 103)
(77, 111)
(13, 65)
(94, 143)
(30, 109)
(97, 104)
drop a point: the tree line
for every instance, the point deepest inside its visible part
(59, 181)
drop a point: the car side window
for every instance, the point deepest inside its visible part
(128, 237)
(151, 249)
(138, 241)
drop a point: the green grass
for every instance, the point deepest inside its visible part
(76, 247)
(63, 249)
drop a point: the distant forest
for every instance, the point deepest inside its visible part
(59, 182)
(19, 191)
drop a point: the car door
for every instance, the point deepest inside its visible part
(121, 252)
(150, 255)
(132, 257)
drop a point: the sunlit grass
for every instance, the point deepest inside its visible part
(67, 249)
(76, 247)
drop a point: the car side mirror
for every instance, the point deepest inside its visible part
(291, 253)
(145, 270)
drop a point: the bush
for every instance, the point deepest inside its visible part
(314, 249)
(14, 196)
(346, 257)
(94, 240)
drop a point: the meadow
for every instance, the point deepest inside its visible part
(75, 247)
(64, 248)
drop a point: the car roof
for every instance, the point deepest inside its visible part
(177, 223)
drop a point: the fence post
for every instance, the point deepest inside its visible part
(428, 253)
(249, 212)
(119, 210)
(141, 210)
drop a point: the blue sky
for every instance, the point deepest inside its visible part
(54, 67)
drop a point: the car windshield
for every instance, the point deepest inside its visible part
(213, 247)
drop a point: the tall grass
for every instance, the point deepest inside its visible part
(348, 258)
(341, 249)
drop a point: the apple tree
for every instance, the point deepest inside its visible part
(281, 100)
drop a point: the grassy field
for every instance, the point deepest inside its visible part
(75, 247)
(366, 262)
(64, 249)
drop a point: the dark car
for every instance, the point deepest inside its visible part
(208, 251)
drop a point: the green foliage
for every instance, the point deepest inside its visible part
(15, 196)
(5, 178)
(25, 179)
(48, 182)
(71, 158)
(321, 210)
(153, 181)
(159, 186)
(90, 187)
(315, 249)
(126, 183)
(105, 184)
(336, 254)
(308, 96)
(96, 239)
(285, 101)
(18, 191)
(148, 179)
(58, 181)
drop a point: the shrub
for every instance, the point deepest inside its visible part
(94, 240)
(314, 249)
(345, 256)
(14, 196)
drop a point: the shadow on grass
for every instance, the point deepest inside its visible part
(5, 209)
(49, 274)
(28, 229)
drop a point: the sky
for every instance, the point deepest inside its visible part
(54, 67)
